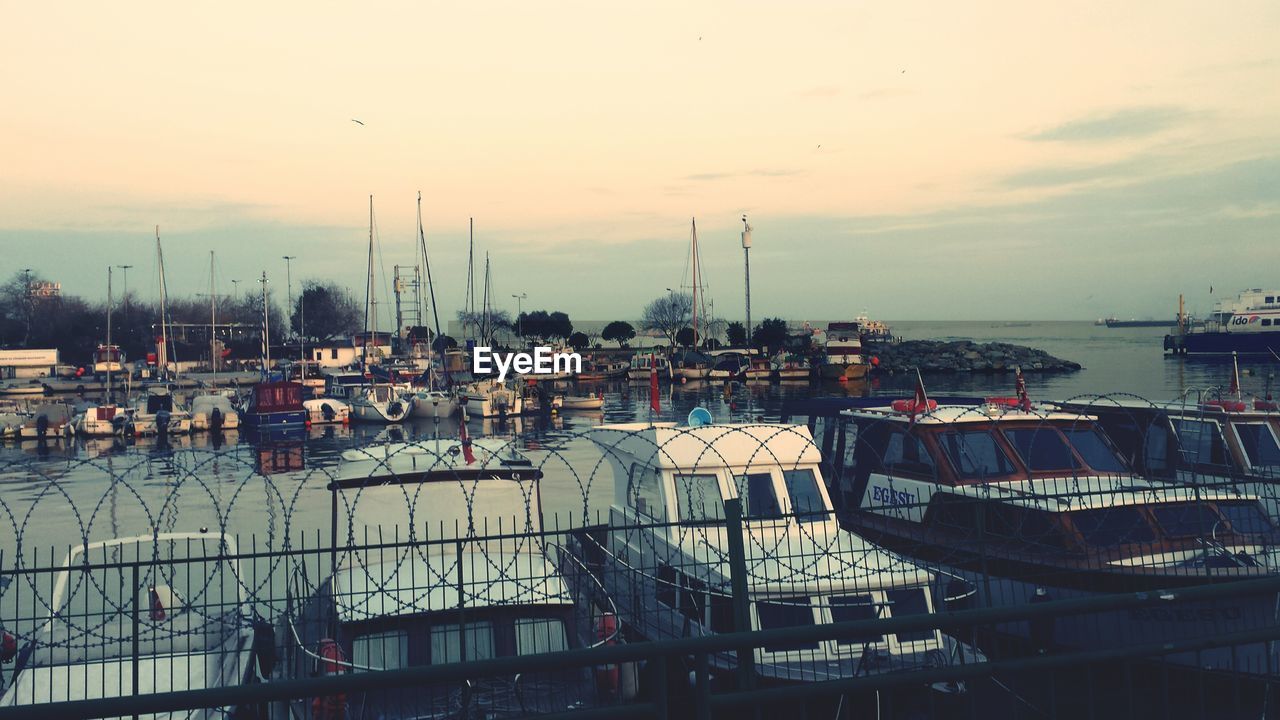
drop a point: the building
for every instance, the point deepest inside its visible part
(28, 363)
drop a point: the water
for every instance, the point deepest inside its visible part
(52, 496)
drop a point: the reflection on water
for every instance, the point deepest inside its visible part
(60, 493)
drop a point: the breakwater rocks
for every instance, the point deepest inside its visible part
(965, 356)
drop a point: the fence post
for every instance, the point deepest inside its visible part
(137, 619)
(738, 582)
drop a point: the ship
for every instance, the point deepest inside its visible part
(1247, 325)
(1117, 323)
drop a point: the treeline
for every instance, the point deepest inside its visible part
(76, 326)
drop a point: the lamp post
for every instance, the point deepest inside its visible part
(519, 299)
(124, 269)
(288, 284)
(235, 289)
(29, 302)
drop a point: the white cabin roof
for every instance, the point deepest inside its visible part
(950, 414)
(668, 446)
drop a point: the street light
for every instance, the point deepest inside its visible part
(288, 283)
(235, 285)
(519, 298)
(26, 272)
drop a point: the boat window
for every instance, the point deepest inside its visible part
(1041, 449)
(1266, 322)
(1155, 449)
(1029, 525)
(906, 453)
(806, 498)
(384, 651)
(447, 641)
(540, 635)
(1093, 447)
(1247, 518)
(1259, 444)
(1200, 441)
(1186, 520)
(698, 497)
(786, 613)
(911, 601)
(975, 454)
(1107, 527)
(856, 607)
(1270, 299)
(646, 492)
(757, 494)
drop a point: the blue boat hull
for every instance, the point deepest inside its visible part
(1222, 343)
(273, 420)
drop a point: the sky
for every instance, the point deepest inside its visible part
(913, 160)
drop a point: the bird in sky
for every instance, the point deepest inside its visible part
(356, 121)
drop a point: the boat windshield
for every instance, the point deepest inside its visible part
(1200, 441)
(1111, 526)
(1246, 518)
(806, 498)
(1259, 444)
(975, 454)
(1095, 450)
(757, 495)
(1183, 520)
(786, 613)
(698, 498)
(1041, 448)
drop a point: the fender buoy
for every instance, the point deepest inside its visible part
(607, 675)
(1224, 405)
(1003, 401)
(331, 662)
(1265, 405)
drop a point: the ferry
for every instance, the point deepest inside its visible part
(664, 556)
(1033, 504)
(196, 631)
(1249, 325)
(454, 596)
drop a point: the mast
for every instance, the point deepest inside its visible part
(108, 333)
(471, 264)
(746, 258)
(484, 320)
(694, 227)
(213, 324)
(266, 329)
(368, 296)
(164, 312)
(431, 289)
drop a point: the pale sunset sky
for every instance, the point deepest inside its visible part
(917, 160)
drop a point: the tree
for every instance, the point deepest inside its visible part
(771, 333)
(668, 315)
(685, 337)
(540, 325)
(619, 331)
(579, 340)
(737, 334)
(325, 311)
(443, 342)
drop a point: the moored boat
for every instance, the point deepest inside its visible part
(275, 406)
(489, 398)
(844, 359)
(157, 412)
(214, 412)
(1248, 325)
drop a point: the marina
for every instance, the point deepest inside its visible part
(719, 361)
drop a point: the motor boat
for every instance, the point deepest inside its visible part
(391, 610)
(644, 364)
(382, 403)
(844, 359)
(664, 555)
(157, 412)
(193, 632)
(275, 406)
(489, 398)
(434, 404)
(214, 412)
(101, 421)
(326, 411)
(50, 420)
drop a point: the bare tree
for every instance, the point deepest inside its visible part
(668, 314)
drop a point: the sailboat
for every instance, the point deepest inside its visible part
(433, 400)
(377, 402)
(105, 419)
(694, 365)
(156, 411)
(211, 409)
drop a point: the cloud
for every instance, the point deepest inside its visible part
(884, 93)
(1120, 124)
(760, 172)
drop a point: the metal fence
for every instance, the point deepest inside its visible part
(725, 570)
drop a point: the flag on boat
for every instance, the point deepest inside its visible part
(1235, 376)
(1020, 388)
(467, 454)
(655, 401)
(920, 403)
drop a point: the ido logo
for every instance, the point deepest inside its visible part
(1243, 320)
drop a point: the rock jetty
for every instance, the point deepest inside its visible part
(965, 356)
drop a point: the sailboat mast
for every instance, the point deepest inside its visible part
(266, 329)
(108, 333)
(213, 324)
(368, 294)
(694, 226)
(164, 311)
(485, 334)
(431, 288)
(471, 265)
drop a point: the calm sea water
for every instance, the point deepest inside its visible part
(58, 494)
